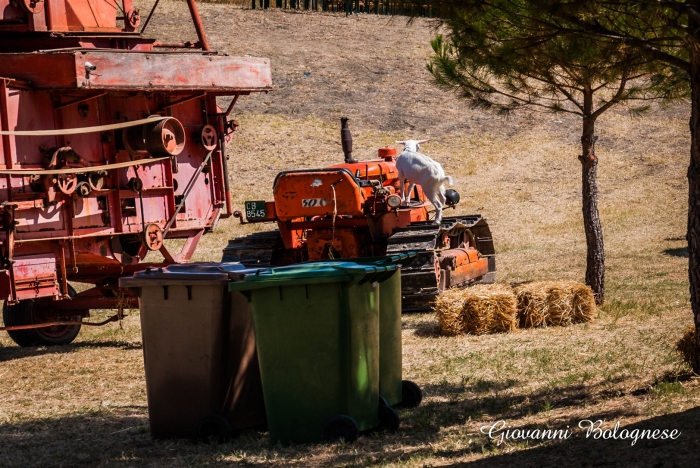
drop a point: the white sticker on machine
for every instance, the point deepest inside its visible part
(313, 202)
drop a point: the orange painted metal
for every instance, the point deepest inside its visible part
(300, 194)
(461, 265)
(343, 211)
(373, 169)
(305, 202)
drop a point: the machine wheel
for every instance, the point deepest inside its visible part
(27, 313)
(388, 419)
(214, 426)
(339, 427)
(411, 394)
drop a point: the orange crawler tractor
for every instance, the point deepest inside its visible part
(354, 210)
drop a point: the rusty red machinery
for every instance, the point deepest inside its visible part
(354, 210)
(110, 143)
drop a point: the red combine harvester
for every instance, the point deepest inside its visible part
(354, 210)
(110, 142)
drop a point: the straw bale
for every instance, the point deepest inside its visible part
(489, 308)
(583, 303)
(533, 308)
(478, 310)
(560, 307)
(686, 345)
(448, 308)
(560, 303)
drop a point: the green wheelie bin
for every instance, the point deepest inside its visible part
(395, 391)
(317, 336)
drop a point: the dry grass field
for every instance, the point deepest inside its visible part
(85, 404)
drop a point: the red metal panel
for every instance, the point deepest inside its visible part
(91, 15)
(139, 71)
(172, 71)
(35, 276)
(89, 213)
(199, 201)
(33, 67)
(11, 12)
(56, 15)
(47, 235)
(83, 114)
(41, 221)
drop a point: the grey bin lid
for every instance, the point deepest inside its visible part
(185, 273)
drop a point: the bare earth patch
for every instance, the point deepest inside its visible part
(85, 404)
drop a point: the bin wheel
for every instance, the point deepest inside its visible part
(388, 419)
(383, 402)
(31, 311)
(411, 394)
(339, 427)
(214, 426)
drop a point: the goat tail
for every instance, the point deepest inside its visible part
(450, 181)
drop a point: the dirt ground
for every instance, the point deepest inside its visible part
(85, 404)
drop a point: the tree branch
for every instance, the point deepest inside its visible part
(615, 99)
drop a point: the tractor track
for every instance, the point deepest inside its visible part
(420, 279)
(253, 250)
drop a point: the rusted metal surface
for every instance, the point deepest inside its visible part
(198, 26)
(62, 15)
(113, 318)
(133, 70)
(82, 197)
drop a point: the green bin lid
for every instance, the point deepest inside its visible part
(311, 273)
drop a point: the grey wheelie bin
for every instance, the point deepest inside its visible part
(317, 335)
(202, 375)
(395, 391)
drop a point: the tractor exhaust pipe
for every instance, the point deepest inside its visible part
(346, 140)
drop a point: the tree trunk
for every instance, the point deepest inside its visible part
(595, 255)
(693, 234)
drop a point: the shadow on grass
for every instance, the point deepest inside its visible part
(426, 326)
(119, 436)
(427, 329)
(582, 451)
(679, 252)
(473, 400)
(10, 353)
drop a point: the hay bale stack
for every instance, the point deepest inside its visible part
(533, 309)
(477, 310)
(448, 308)
(686, 345)
(583, 303)
(560, 306)
(559, 303)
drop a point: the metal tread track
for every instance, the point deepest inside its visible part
(252, 250)
(419, 279)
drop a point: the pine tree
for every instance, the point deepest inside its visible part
(667, 32)
(505, 55)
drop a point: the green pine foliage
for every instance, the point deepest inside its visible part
(506, 54)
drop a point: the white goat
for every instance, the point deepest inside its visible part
(420, 169)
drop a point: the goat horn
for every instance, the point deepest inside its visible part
(423, 141)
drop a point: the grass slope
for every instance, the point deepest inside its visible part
(85, 405)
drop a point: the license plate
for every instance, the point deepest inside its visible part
(313, 202)
(255, 210)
